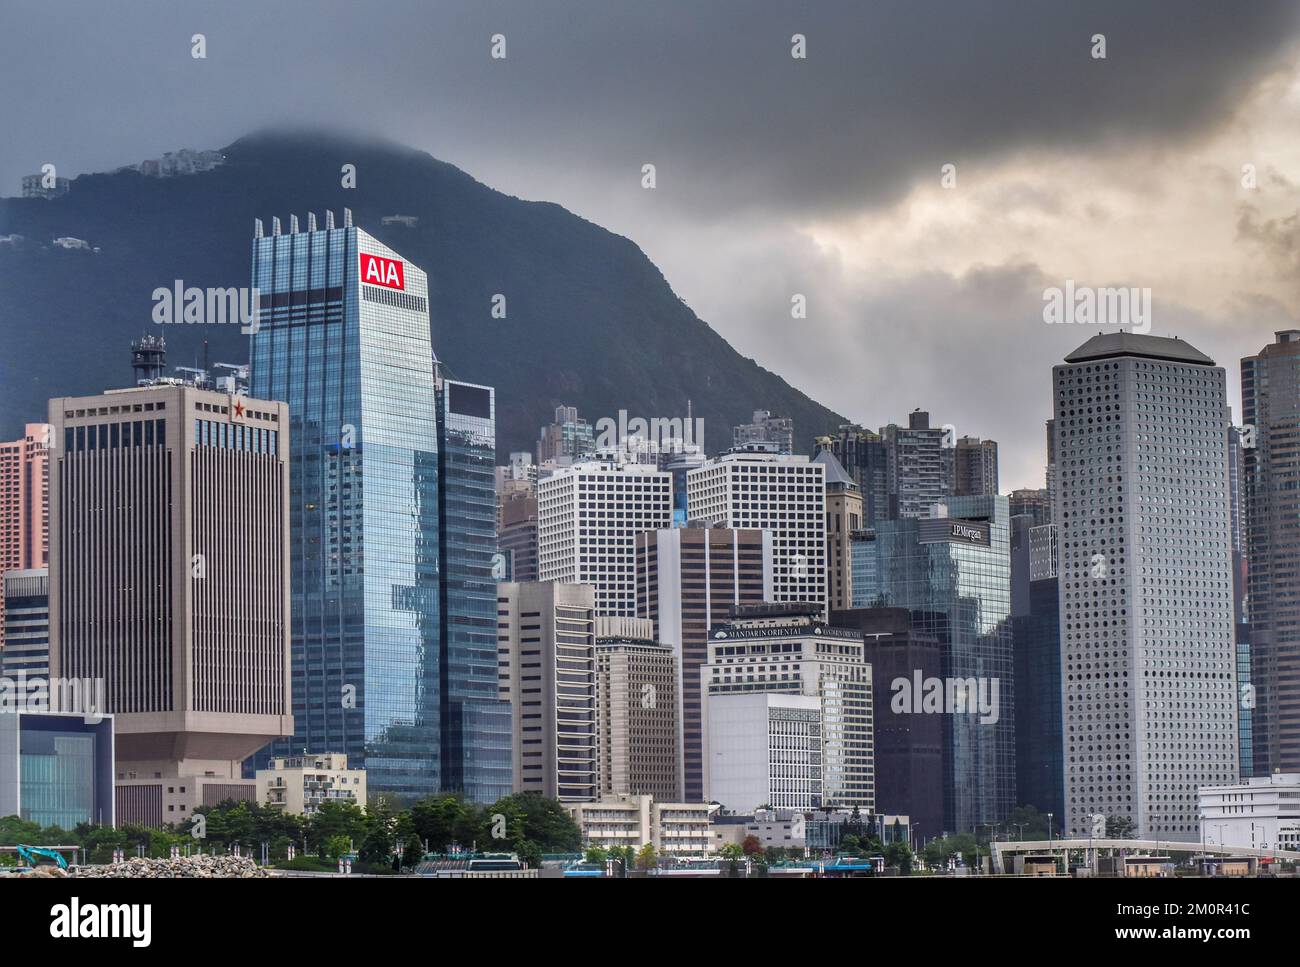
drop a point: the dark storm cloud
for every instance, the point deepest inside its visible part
(706, 91)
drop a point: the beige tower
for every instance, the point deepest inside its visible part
(169, 582)
(636, 711)
(844, 515)
(546, 653)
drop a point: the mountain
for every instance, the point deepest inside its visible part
(590, 321)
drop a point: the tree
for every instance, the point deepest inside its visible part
(647, 858)
(443, 820)
(533, 817)
(752, 846)
(850, 844)
(900, 855)
(732, 851)
(334, 818)
(597, 855)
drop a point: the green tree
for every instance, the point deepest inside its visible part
(532, 817)
(647, 858)
(597, 855)
(900, 855)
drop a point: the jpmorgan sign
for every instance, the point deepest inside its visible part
(946, 530)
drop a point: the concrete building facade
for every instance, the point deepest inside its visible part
(1148, 663)
(546, 655)
(172, 593)
(687, 580)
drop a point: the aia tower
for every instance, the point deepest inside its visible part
(343, 337)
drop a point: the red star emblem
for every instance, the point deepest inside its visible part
(239, 408)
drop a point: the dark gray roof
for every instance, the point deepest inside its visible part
(1111, 344)
(835, 472)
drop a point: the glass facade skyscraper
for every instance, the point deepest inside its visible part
(343, 337)
(954, 575)
(476, 725)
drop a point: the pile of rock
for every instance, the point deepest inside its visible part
(202, 866)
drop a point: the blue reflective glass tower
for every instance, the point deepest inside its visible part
(343, 337)
(958, 589)
(476, 726)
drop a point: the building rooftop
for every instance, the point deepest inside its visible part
(1113, 344)
(836, 476)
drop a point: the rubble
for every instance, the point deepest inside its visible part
(202, 866)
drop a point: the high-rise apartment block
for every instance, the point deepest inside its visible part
(24, 504)
(862, 454)
(975, 467)
(546, 651)
(688, 579)
(343, 339)
(636, 711)
(780, 493)
(169, 581)
(588, 519)
(918, 465)
(767, 433)
(1148, 664)
(570, 438)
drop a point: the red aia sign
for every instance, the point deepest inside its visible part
(377, 270)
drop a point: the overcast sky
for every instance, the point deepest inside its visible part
(776, 176)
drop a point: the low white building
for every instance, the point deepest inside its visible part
(763, 750)
(1262, 812)
(301, 784)
(673, 828)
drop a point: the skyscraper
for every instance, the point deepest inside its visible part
(790, 650)
(1036, 623)
(476, 729)
(1147, 657)
(343, 338)
(953, 573)
(1270, 408)
(844, 515)
(862, 454)
(569, 438)
(24, 504)
(975, 467)
(169, 581)
(780, 493)
(636, 711)
(918, 465)
(687, 580)
(26, 596)
(546, 648)
(589, 515)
